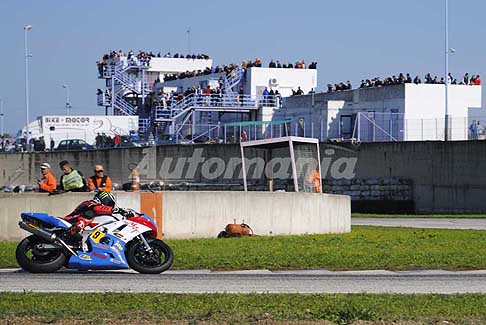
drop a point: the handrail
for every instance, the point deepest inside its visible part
(124, 106)
(233, 80)
(234, 101)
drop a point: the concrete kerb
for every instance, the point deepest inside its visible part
(299, 273)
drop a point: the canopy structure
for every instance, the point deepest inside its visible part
(291, 142)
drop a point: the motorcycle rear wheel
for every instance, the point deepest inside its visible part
(38, 262)
(158, 261)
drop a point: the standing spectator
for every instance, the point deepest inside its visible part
(477, 80)
(479, 130)
(134, 136)
(244, 136)
(207, 94)
(42, 144)
(98, 141)
(314, 180)
(99, 181)
(117, 140)
(52, 144)
(271, 96)
(265, 95)
(72, 180)
(278, 98)
(48, 181)
(465, 80)
(473, 128)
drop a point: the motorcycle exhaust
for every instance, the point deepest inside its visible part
(44, 234)
(49, 236)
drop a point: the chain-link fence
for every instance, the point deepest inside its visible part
(376, 127)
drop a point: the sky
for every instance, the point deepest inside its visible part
(350, 40)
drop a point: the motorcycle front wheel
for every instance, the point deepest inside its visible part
(155, 262)
(31, 259)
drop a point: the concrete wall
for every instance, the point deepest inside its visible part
(200, 214)
(24, 168)
(12, 205)
(446, 177)
(205, 214)
(286, 80)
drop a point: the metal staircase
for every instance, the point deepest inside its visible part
(123, 78)
(180, 114)
(121, 85)
(233, 81)
(123, 106)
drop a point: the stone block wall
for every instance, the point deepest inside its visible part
(371, 189)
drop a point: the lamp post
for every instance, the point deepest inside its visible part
(446, 77)
(2, 116)
(27, 55)
(188, 31)
(68, 103)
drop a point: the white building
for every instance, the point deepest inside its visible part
(283, 80)
(254, 81)
(393, 113)
(83, 127)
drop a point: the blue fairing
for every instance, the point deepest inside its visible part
(109, 255)
(44, 217)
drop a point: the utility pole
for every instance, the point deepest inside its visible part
(188, 40)
(446, 77)
(68, 102)
(27, 55)
(2, 116)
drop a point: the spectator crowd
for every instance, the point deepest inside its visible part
(245, 64)
(73, 180)
(404, 79)
(142, 58)
(476, 130)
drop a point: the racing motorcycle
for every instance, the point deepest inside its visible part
(109, 242)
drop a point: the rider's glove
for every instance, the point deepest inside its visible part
(129, 214)
(125, 213)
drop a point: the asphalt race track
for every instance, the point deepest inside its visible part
(430, 223)
(265, 281)
(258, 281)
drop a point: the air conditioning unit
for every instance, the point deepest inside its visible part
(273, 81)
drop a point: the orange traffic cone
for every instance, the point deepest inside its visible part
(135, 180)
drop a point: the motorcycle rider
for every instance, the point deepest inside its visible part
(103, 203)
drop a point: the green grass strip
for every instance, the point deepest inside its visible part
(364, 248)
(244, 308)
